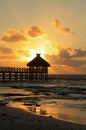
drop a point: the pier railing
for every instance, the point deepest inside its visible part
(13, 74)
(21, 74)
(13, 69)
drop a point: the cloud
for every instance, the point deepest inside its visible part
(18, 35)
(8, 57)
(5, 50)
(69, 57)
(35, 31)
(79, 53)
(24, 52)
(7, 54)
(13, 35)
(71, 62)
(61, 28)
(65, 53)
(72, 53)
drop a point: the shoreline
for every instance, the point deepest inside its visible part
(15, 118)
(18, 102)
(29, 98)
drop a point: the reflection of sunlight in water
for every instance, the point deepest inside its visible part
(33, 108)
(71, 115)
(17, 105)
(38, 109)
(59, 113)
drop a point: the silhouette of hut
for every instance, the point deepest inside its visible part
(38, 68)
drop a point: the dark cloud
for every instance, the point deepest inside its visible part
(61, 28)
(35, 31)
(64, 53)
(69, 57)
(79, 53)
(70, 53)
(5, 50)
(71, 62)
(68, 62)
(13, 35)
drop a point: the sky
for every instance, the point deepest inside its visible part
(54, 28)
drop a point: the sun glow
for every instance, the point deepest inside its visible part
(46, 47)
(34, 52)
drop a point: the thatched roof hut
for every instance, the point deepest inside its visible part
(38, 61)
(38, 68)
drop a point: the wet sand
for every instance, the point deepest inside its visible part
(18, 119)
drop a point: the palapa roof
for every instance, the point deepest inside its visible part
(38, 61)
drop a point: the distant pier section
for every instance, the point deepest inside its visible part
(37, 70)
(13, 74)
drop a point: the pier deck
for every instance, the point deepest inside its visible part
(13, 74)
(20, 74)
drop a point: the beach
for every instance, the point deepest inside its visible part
(42, 64)
(19, 119)
(57, 104)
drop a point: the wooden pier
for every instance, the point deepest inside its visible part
(14, 74)
(37, 70)
(23, 74)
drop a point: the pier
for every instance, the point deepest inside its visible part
(14, 74)
(37, 69)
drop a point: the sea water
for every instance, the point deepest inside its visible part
(62, 96)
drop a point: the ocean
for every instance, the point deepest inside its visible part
(62, 96)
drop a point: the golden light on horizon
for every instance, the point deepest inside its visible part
(44, 47)
(32, 55)
(34, 52)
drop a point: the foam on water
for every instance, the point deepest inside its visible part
(60, 92)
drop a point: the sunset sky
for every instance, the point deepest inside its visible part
(54, 28)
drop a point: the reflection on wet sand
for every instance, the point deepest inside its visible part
(51, 111)
(37, 108)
